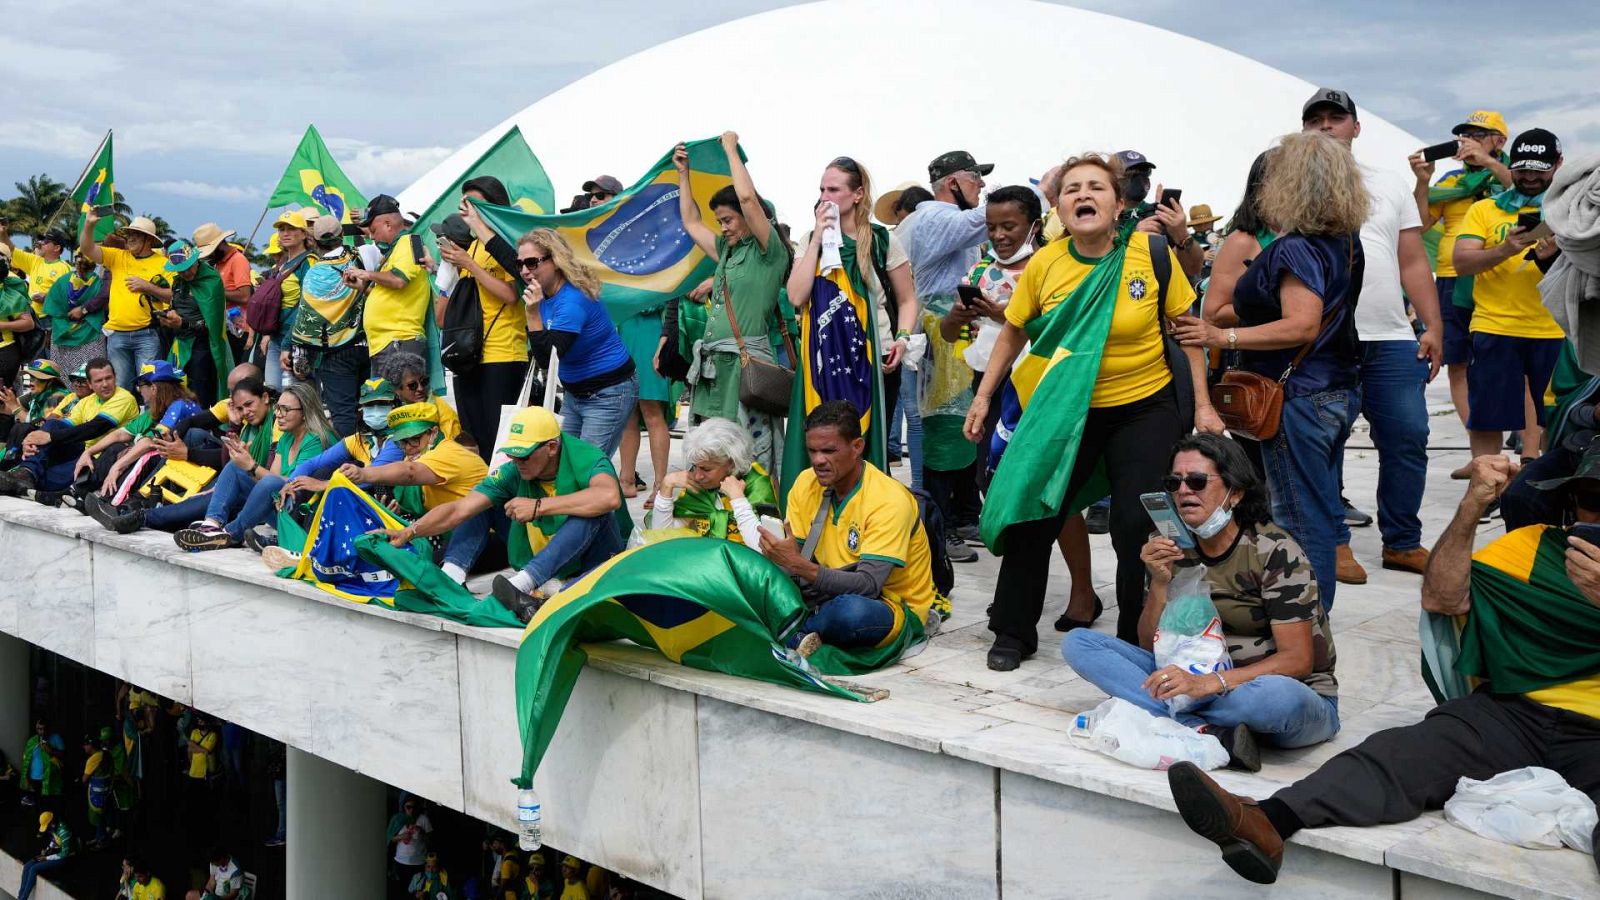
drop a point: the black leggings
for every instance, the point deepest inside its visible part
(1135, 442)
(479, 396)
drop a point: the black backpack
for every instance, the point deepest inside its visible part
(944, 575)
(461, 331)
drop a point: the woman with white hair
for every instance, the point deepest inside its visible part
(719, 495)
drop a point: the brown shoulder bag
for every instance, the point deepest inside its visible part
(763, 386)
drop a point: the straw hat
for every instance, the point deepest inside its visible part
(883, 207)
(143, 225)
(209, 237)
(1200, 214)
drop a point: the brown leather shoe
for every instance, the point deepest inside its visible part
(1250, 845)
(1347, 570)
(1414, 560)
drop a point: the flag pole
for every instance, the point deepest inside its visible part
(251, 242)
(79, 183)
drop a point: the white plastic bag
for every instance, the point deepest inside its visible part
(1532, 807)
(1126, 732)
(1189, 634)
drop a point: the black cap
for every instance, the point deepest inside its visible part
(1329, 97)
(455, 229)
(56, 237)
(956, 161)
(1535, 150)
(605, 184)
(383, 204)
(1133, 159)
(1588, 469)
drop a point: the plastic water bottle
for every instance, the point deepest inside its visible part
(1084, 723)
(529, 819)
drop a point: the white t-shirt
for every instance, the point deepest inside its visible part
(226, 879)
(415, 851)
(1381, 311)
(897, 257)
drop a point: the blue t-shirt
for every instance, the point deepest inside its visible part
(598, 349)
(1331, 266)
(36, 763)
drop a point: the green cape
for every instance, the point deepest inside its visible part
(60, 300)
(1525, 637)
(207, 292)
(707, 505)
(574, 468)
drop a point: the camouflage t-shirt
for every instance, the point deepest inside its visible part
(1266, 578)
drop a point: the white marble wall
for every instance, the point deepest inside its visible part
(797, 810)
(141, 618)
(48, 577)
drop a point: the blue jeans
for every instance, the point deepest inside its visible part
(1303, 464)
(172, 516)
(52, 469)
(31, 870)
(339, 374)
(240, 502)
(128, 350)
(1392, 384)
(911, 407)
(1282, 711)
(600, 417)
(589, 541)
(849, 620)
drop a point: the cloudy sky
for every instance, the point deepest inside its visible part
(208, 102)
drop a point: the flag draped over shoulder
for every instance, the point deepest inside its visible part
(635, 242)
(328, 557)
(96, 188)
(510, 160)
(1528, 635)
(838, 361)
(313, 178)
(706, 603)
(1053, 382)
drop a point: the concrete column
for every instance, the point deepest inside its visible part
(15, 729)
(336, 825)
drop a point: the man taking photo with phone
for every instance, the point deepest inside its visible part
(1480, 142)
(1515, 341)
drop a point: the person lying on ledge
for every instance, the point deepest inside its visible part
(853, 542)
(1531, 602)
(1281, 689)
(557, 504)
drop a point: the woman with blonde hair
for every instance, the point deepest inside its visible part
(565, 315)
(1301, 293)
(840, 285)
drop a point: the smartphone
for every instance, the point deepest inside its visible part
(967, 294)
(773, 527)
(1586, 531)
(1439, 151)
(1541, 231)
(1170, 196)
(105, 212)
(1529, 220)
(1164, 513)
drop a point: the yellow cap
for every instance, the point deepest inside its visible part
(273, 247)
(293, 218)
(1486, 119)
(45, 818)
(411, 420)
(571, 861)
(536, 857)
(530, 428)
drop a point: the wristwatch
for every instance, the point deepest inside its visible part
(1233, 338)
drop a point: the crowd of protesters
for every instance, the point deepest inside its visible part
(1051, 351)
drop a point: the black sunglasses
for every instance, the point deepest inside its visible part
(845, 163)
(533, 262)
(1195, 481)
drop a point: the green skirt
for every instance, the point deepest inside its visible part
(641, 334)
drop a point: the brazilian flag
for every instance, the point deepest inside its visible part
(635, 241)
(1053, 382)
(313, 178)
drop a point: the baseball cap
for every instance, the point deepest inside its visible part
(536, 857)
(1588, 468)
(323, 227)
(381, 205)
(376, 390)
(42, 368)
(157, 371)
(81, 373)
(604, 184)
(454, 228)
(1329, 97)
(45, 818)
(293, 218)
(1535, 150)
(1132, 159)
(273, 247)
(570, 861)
(1487, 119)
(956, 161)
(411, 420)
(182, 254)
(56, 237)
(530, 428)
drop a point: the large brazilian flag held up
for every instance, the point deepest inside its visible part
(510, 160)
(96, 188)
(635, 241)
(313, 178)
(1053, 382)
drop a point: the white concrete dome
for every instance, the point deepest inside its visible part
(1019, 83)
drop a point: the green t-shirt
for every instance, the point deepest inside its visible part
(752, 277)
(310, 446)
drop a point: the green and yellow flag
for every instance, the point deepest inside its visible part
(512, 161)
(635, 241)
(313, 178)
(96, 188)
(1053, 382)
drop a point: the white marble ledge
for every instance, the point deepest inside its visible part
(1051, 755)
(55, 520)
(1458, 856)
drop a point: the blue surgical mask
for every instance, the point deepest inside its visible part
(376, 417)
(1214, 523)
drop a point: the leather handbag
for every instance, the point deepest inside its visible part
(763, 386)
(1251, 405)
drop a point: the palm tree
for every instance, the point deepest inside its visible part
(162, 228)
(37, 200)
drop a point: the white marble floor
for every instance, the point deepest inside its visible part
(1375, 625)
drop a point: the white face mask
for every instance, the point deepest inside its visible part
(1214, 523)
(376, 417)
(1024, 250)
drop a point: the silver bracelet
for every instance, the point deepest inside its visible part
(1225, 688)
